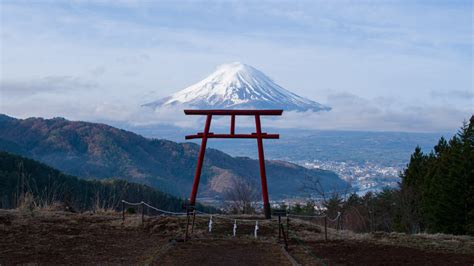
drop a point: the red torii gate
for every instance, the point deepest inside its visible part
(259, 135)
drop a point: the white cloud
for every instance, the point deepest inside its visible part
(50, 84)
(351, 112)
(454, 94)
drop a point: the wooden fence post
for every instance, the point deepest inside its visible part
(194, 217)
(143, 211)
(326, 228)
(338, 222)
(123, 211)
(279, 227)
(187, 225)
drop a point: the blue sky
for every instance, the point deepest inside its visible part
(381, 65)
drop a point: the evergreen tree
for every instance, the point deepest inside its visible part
(411, 216)
(436, 192)
(468, 137)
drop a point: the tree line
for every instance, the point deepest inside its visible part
(27, 182)
(435, 195)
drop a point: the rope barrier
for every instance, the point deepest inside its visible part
(307, 216)
(317, 216)
(154, 208)
(132, 204)
(163, 211)
(226, 218)
(234, 230)
(183, 213)
(335, 219)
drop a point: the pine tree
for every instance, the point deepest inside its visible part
(467, 137)
(411, 216)
(433, 183)
(447, 193)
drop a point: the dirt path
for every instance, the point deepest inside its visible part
(224, 252)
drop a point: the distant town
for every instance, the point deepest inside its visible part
(363, 177)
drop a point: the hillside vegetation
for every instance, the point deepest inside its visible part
(28, 183)
(93, 150)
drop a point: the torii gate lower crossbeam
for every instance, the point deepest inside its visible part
(259, 135)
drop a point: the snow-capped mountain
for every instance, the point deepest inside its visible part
(238, 86)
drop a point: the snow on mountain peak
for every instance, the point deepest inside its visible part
(238, 86)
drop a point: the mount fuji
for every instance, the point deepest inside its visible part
(238, 86)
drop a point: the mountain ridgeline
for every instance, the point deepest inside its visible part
(91, 150)
(28, 182)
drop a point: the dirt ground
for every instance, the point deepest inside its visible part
(343, 252)
(224, 252)
(48, 237)
(62, 238)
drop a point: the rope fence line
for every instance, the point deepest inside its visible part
(163, 211)
(316, 216)
(306, 216)
(326, 219)
(227, 218)
(152, 207)
(335, 219)
(133, 204)
(193, 212)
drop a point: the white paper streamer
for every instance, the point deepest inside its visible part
(256, 229)
(235, 227)
(210, 224)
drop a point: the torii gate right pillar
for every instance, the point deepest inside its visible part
(263, 173)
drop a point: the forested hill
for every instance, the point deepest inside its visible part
(94, 150)
(24, 180)
(437, 189)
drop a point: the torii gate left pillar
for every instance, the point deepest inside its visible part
(259, 135)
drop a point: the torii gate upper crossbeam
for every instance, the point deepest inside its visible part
(259, 135)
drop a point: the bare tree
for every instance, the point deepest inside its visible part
(313, 186)
(333, 200)
(241, 196)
